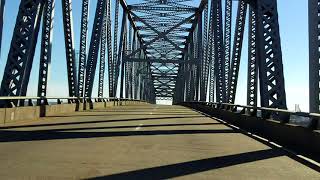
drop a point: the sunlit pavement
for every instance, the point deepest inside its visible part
(140, 142)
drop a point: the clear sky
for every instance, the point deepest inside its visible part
(293, 19)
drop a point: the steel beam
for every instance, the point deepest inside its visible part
(237, 48)
(2, 10)
(83, 46)
(119, 63)
(227, 42)
(112, 84)
(272, 88)
(252, 82)
(94, 46)
(17, 71)
(102, 56)
(69, 45)
(314, 56)
(218, 51)
(46, 46)
(109, 49)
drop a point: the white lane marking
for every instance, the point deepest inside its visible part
(139, 127)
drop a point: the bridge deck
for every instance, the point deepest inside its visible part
(138, 142)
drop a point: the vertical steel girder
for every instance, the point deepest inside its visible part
(128, 66)
(94, 46)
(211, 83)
(272, 89)
(205, 60)
(134, 67)
(189, 73)
(237, 47)
(121, 54)
(127, 80)
(83, 46)
(314, 56)
(211, 55)
(199, 57)
(252, 81)
(218, 51)
(17, 71)
(46, 44)
(109, 49)
(2, 5)
(227, 42)
(119, 63)
(69, 44)
(102, 56)
(112, 84)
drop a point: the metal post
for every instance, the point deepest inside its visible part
(314, 56)
(20, 57)
(102, 56)
(218, 51)
(237, 48)
(83, 46)
(252, 82)
(227, 43)
(46, 44)
(120, 51)
(69, 45)
(272, 88)
(2, 11)
(94, 46)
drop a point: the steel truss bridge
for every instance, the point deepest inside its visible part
(185, 51)
(160, 49)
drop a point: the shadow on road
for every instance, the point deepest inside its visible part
(14, 136)
(99, 121)
(192, 167)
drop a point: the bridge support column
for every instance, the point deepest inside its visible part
(314, 56)
(272, 89)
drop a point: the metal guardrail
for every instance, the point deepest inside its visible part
(45, 100)
(282, 115)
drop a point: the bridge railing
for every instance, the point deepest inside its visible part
(272, 125)
(304, 119)
(15, 109)
(8, 101)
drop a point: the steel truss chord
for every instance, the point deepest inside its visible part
(227, 42)
(237, 48)
(271, 77)
(94, 46)
(252, 82)
(119, 64)
(205, 64)
(17, 71)
(134, 67)
(46, 45)
(128, 66)
(211, 55)
(199, 54)
(2, 8)
(102, 56)
(109, 49)
(113, 89)
(69, 45)
(83, 46)
(218, 51)
(314, 56)
(211, 83)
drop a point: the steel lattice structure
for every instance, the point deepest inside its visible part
(180, 50)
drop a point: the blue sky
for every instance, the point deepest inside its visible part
(293, 18)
